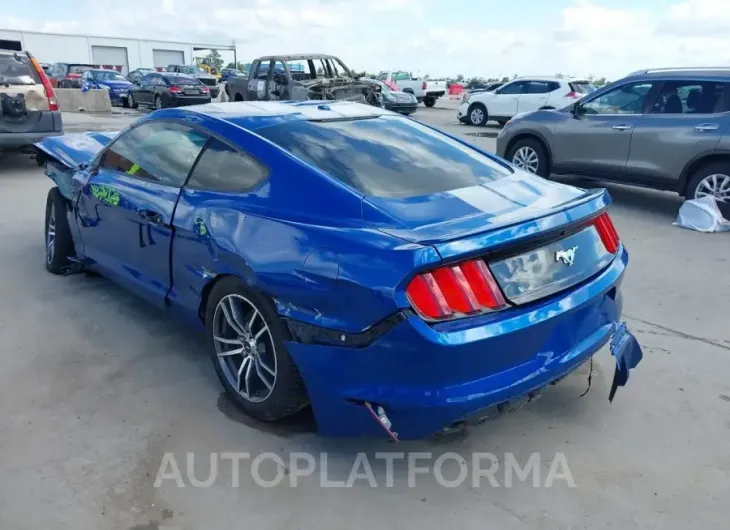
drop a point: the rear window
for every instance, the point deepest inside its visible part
(386, 156)
(182, 80)
(17, 69)
(582, 87)
(79, 68)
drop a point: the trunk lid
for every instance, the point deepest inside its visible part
(537, 237)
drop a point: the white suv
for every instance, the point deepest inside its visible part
(524, 94)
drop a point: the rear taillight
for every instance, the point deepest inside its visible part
(50, 93)
(424, 85)
(573, 95)
(174, 89)
(204, 89)
(455, 290)
(608, 233)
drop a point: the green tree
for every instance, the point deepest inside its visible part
(505, 79)
(460, 78)
(214, 59)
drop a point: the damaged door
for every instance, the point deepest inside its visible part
(257, 85)
(126, 207)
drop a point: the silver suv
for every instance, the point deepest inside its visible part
(667, 129)
(28, 108)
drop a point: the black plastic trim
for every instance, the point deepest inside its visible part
(310, 334)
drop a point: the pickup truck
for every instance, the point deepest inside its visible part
(301, 78)
(425, 91)
(198, 73)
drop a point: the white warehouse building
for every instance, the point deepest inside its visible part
(121, 53)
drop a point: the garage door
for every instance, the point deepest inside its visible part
(110, 56)
(163, 58)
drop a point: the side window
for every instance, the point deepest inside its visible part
(401, 76)
(147, 80)
(279, 68)
(690, 97)
(383, 76)
(512, 88)
(553, 86)
(262, 71)
(538, 87)
(159, 151)
(626, 99)
(223, 168)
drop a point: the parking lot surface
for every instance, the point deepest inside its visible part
(96, 387)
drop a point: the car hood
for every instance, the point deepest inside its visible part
(459, 213)
(72, 150)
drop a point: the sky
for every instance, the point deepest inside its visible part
(484, 38)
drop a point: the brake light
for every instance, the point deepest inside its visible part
(174, 89)
(465, 288)
(50, 93)
(204, 89)
(424, 85)
(608, 233)
(573, 95)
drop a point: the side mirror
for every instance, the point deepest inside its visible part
(577, 109)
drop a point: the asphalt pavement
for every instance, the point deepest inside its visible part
(99, 389)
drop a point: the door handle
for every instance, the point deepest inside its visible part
(623, 127)
(151, 217)
(705, 127)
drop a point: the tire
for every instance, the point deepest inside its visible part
(287, 394)
(238, 97)
(477, 115)
(695, 188)
(158, 103)
(58, 241)
(528, 145)
(429, 102)
(130, 101)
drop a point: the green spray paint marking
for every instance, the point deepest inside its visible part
(105, 194)
(200, 227)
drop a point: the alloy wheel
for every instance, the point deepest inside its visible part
(245, 348)
(51, 234)
(130, 100)
(158, 103)
(716, 185)
(476, 115)
(526, 158)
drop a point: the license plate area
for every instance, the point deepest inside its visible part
(551, 268)
(191, 91)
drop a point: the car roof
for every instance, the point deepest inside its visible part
(544, 78)
(299, 56)
(252, 115)
(709, 72)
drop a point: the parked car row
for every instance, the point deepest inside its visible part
(667, 129)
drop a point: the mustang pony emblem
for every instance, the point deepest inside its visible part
(567, 256)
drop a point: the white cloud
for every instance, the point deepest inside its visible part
(588, 37)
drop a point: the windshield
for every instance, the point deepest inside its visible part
(386, 156)
(192, 70)
(17, 70)
(109, 75)
(79, 68)
(582, 87)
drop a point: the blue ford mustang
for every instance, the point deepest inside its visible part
(399, 280)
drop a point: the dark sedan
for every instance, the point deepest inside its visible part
(395, 100)
(166, 89)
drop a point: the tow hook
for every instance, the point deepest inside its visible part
(381, 417)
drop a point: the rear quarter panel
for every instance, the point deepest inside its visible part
(297, 237)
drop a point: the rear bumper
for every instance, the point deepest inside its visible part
(429, 377)
(437, 94)
(403, 108)
(14, 140)
(178, 101)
